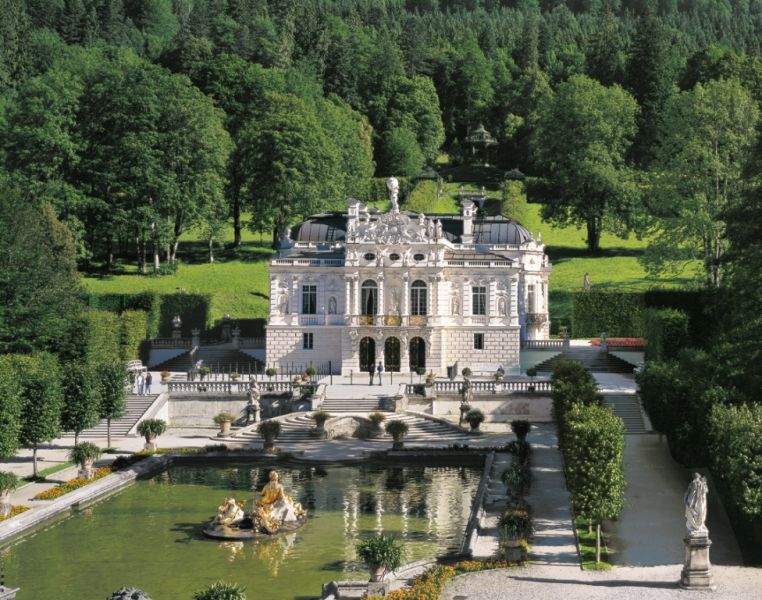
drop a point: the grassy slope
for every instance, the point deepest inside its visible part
(239, 281)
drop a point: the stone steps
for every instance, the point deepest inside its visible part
(136, 408)
(591, 359)
(627, 408)
(220, 360)
(296, 429)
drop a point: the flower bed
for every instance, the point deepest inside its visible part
(430, 584)
(623, 342)
(15, 510)
(73, 484)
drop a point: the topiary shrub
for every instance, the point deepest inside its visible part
(269, 430)
(474, 418)
(320, 417)
(466, 372)
(221, 591)
(398, 430)
(271, 372)
(377, 418)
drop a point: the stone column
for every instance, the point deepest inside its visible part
(492, 299)
(405, 308)
(514, 300)
(466, 299)
(347, 295)
(295, 300)
(380, 301)
(357, 296)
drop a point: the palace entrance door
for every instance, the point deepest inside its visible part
(392, 354)
(417, 354)
(367, 354)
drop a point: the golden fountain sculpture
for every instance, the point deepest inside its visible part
(273, 512)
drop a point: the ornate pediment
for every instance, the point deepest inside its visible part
(394, 228)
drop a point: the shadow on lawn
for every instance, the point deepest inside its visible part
(561, 253)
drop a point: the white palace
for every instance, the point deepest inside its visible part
(351, 289)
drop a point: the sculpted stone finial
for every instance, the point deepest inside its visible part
(394, 190)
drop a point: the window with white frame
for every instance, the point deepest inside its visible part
(478, 341)
(418, 298)
(307, 341)
(309, 299)
(479, 300)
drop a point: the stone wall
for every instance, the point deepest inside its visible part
(199, 411)
(285, 348)
(501, 347)
(498, 408)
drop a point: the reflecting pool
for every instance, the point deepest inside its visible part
(149, 535)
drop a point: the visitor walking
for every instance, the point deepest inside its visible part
(380, 370)
(141, 384)
(372, 373)
(149, 380)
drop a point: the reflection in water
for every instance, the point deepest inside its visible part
(153, 528)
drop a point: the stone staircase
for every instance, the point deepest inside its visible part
(296, 429)
(627, 408)
(218, 359)
(591, 359)
(136, 408)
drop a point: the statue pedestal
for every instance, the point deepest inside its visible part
(697, 570)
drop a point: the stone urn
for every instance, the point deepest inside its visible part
(86, 469)
(5, 503)
(377, 572)
(224, 428)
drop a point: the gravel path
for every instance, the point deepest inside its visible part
(541, 582)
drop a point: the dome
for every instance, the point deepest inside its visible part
(500, 231)
(320, 229)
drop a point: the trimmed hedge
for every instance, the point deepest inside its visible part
(134, 332)
(666, 331)
(194, 309)
(619, 314)
(94, 335)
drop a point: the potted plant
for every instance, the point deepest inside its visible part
(165, 375)
(515, 528)
(221, 591)
(520, 428)
(398, 430)
(150, 429)
(320, 417)
(518, 478)
(475, 417)
(382, 554)
(466, 372)
(310, 372)
(203, 372)
(8, 483)
(85, 454)
(235, 376)
(269, 430)
(224, 419)
(531, 373)
(376, 418)
(499, 375)
(420, 371)
(271, 372)
(430, 379)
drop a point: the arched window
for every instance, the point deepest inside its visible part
(418, 298)
(369, 298)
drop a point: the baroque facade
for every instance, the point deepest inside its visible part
(351, 289)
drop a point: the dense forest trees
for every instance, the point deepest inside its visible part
(135, 120)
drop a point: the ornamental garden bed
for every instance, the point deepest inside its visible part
(15, 510)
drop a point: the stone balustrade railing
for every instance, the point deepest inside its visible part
(171, 343)
(252, 343)
(543, 344)
(226, 387)
(490, 387)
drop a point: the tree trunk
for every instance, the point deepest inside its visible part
(590, 526)
(598, 543)
(593, 235)
(236, 219)
(108, 432)
(76, 438)
(34, 460)
(156, 247)
(109, 253)
(211, 250)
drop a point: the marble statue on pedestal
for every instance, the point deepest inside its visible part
(697, 569)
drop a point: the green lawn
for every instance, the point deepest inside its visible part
(238, 281)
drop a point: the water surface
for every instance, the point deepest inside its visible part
(148, 536)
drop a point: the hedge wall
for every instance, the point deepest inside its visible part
(619, 314)
(667, 332)
(94, 336)
(194, 309)
(133, 333)
(150, 302)
(700, 306)
(249, 328)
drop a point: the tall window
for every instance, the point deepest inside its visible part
(478, 300)
(309, 299)
(418, 298)
(369, 298)
(307, 341)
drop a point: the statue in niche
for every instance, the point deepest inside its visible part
(394, 190)
(332, 305)
(501, 304)
(429, 228)
(455, 304)
(394, 302)
(283, 299)
(695, 506)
